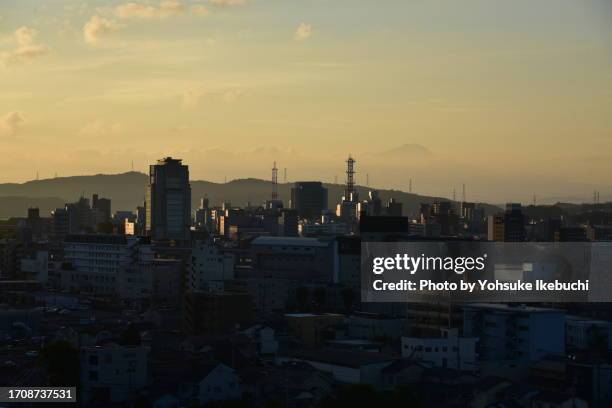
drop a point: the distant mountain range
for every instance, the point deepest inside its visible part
(407, 151)
(127, 190)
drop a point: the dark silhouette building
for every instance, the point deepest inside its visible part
(168, 205)
(309, 198)
(101, 208)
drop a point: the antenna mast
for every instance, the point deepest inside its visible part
(274, 182)
(350, 178)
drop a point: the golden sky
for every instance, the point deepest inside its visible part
(510, 97)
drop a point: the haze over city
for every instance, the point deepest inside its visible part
(511, 98)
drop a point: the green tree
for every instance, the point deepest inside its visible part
(320, 297)
(348, 298)
(302, 295)
(130, 336)
(62, 363)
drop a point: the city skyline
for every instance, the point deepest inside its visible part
(517, 104)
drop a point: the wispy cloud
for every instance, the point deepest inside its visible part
(168, 8)
(229, 2)
(26, 47)
(303, 32)
(99, 128)
(97, 28)
(193, 97)
(232, 95)
(11, 123)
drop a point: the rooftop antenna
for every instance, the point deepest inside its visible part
(285, 175)
(336, 179)
(132, 165)
(454, 194)
(534, 200)
(463, 192)
(274, 182)
(368, 179)
(36, 174)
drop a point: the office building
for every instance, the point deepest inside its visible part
(168, 203)
(309, 198)
(114, 265)
(101, 208)
(508, 226)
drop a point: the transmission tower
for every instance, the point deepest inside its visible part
(274, 182)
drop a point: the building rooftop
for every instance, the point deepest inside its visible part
(289, 241)
(339, 357)
(502, 307)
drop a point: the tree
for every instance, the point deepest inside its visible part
(348, 297)
(62, 363)
(320, 297)
(130, 336)
(302, 295)
(354, 396)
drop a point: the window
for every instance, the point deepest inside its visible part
(93, 376)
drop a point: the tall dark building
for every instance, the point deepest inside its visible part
(514, 223)
(508, 226)
(394, 208)
(288, 223)
(101, 208)
(309, 198)
(168, 205)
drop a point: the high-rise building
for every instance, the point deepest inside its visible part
(101, 208)
(60, 223)
(168, 200)
(394, 208)
(288, 223)
(508, 226)
(309, 198)
(495, 227)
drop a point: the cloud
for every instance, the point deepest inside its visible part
(229, 2)
(25, 36)
(98, 27)
(232, 96)
(165, 9)
(200, 10)
(195, 97)
(192, 98)
(10, 123)
(26, 46)
(99, 128)
(303, 32)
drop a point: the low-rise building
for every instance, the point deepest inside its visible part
(515, 333)
(113, 373)
(444, 348)
(112, 265)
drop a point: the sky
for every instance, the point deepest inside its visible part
(511, 98)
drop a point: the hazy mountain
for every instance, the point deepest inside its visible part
(408, 150)
(127, 190)
(18, 206)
